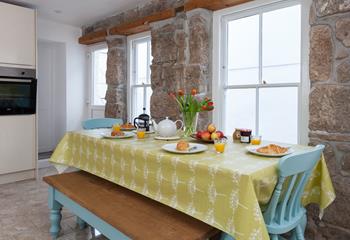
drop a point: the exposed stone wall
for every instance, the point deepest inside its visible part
(116, 77)
(181, 56)
(330, 109)
(144, 9)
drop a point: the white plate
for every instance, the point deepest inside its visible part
(109, 136)
(252, 149)
(167, 138)
(172, 148)
(147, 132)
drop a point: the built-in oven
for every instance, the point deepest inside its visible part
(17, 91)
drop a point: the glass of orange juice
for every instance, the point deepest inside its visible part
(141, 133)
(220, 144)
(256, 140)
(116, 127)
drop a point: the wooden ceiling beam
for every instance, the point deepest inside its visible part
(213, 5)
(142, 24)
(94, 37)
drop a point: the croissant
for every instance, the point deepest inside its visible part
(272, 149)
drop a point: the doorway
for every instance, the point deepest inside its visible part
(51, 96)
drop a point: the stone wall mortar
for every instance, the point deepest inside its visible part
(330, 110)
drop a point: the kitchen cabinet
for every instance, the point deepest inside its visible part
(18, 143)
(18, 36)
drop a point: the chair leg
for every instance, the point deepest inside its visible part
(55, 214)
(81, 223)
(225, 236)
(273, 236)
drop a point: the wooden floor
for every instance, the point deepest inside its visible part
(24, 213)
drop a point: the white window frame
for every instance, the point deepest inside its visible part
(219, 58)
(132, 41)
(90, 100)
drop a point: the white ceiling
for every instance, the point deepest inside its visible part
(77, 12)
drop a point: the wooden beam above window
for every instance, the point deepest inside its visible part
(94, 37)
(212, 4)
(142, 25)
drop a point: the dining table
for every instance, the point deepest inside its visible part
(225, 190)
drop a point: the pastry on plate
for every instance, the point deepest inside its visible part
(272, 149)
(127, 126)
(117, 133)
(182, 146)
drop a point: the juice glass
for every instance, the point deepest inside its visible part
(116, 127)
(220, 144)
(141, 133)
(256, 140)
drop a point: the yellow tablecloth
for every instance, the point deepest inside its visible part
(223, 190)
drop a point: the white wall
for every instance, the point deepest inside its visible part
(76, 81)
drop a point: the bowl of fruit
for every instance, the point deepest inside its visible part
(208, 135)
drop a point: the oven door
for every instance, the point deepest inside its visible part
(17, 95)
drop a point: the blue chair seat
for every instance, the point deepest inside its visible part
(101, 123)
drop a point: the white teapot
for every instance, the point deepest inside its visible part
(166, 127)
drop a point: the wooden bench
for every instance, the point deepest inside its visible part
(117, 212)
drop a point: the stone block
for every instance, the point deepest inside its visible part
(116, 42)
(330, 109)
(342, 30)
(321, 53)
(337, 213)
(164, 48)
(330, 7)
(116, 67)
(198, 40)
(196, 77)
(341, 53)
(329, 155)
(156, 76)
(343, 72)
(163, 105)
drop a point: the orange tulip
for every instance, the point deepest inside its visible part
(194, 92)
(181, 92)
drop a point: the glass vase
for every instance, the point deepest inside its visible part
(190, 120)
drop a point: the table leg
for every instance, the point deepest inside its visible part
(55, 214)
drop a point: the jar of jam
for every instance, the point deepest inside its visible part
(246, 135)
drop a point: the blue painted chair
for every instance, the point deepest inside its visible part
(285, 211)
(101, 123)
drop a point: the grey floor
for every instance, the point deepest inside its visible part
(24, 214)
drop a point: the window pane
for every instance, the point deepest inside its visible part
(243, 51)
(281, 45)
(239, 109)
(278, 115)
(99, 77)
(141, 63)
(137, 101)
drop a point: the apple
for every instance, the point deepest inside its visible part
(206, 135)
(211, 128)
(199, 134)
(215, 135)
(220, 134)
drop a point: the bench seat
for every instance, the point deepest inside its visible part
(117, 212)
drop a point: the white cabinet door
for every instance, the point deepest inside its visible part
(18, 38)
(17, 143)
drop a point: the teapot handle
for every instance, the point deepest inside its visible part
(182, 124)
